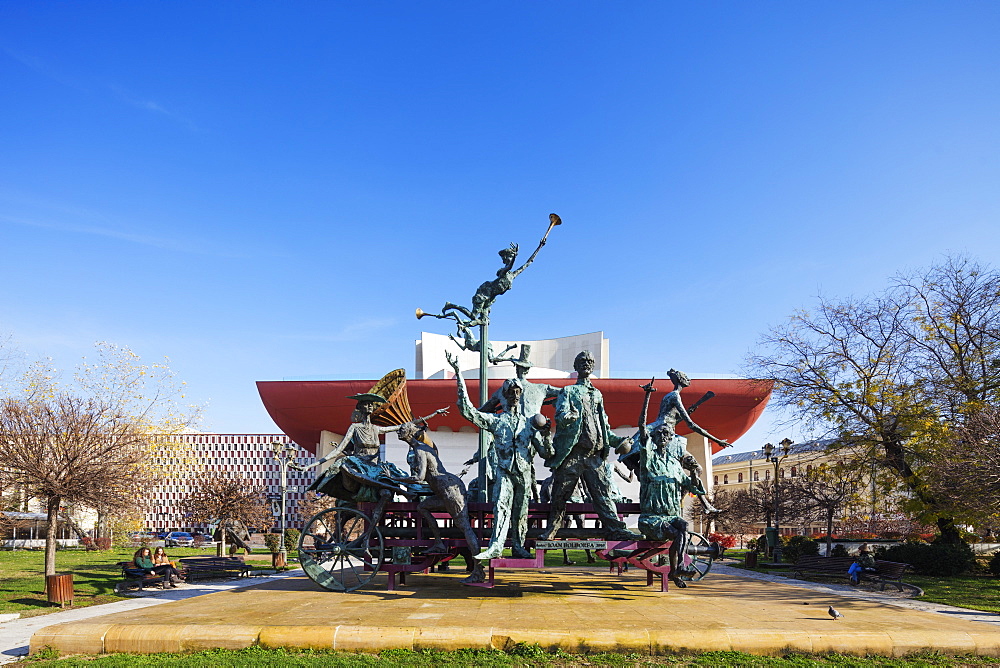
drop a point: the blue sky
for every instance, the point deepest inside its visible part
(268, 190)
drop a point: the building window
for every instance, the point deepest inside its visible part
(767, 474)
(715, 481)
(725, 479)
(809, 469)
(781, 472)
(793, 471)
(740, 478)
(756, 476)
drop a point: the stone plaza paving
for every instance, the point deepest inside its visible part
(576, 609)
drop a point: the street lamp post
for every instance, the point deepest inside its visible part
(284, 453)
(771, 456)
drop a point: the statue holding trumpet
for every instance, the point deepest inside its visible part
(478, 315)
(488, 292)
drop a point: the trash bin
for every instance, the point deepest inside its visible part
(59, 589)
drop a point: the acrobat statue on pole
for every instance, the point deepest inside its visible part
(478, 315)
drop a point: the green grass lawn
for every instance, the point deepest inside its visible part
(523, 655)
(22, 581)
(976, 592)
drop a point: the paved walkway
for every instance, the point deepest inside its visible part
(888, 598)
(16, 633)
(582, 608)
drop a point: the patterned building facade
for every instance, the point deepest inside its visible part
(187, 456)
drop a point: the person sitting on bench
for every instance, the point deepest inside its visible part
(864, 563)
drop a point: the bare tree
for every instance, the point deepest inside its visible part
(313, 504)
(741, 509)
(228, 501)
(827, 490)
(88, 441)
(64, 448)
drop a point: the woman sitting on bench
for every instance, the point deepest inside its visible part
(143, 561)
(163, 566)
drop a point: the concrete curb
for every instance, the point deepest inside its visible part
(16, 632)
(576, 610)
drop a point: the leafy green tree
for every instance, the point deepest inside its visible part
(892, 375)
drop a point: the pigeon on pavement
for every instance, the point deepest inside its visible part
(834, 613)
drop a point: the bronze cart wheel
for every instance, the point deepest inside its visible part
(341, 550)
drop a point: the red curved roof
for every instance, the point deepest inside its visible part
(302, 409)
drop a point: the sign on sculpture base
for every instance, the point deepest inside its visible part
(571, 545)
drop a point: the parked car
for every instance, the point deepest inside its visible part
(179, 539)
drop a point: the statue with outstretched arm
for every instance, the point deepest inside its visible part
(513, 448)
(449, 494)
(488, 292)
(672, 409)
(662, 484)
(356, 473)
(672, 412)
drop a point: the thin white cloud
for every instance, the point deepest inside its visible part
(147, 105)
(36, 64)
(141, 239)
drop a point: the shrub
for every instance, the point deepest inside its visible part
(796, 546)
(938, 559)
(839, 550)
(273, 542)
(291, 539)
(995, 564)
(722, 539)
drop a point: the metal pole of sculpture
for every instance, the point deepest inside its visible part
(479, 315)
(515, 438)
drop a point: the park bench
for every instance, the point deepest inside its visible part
(209, 567)
(889, 572)
(136, 577)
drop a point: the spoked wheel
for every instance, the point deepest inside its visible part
(700, 555)
(340, 549)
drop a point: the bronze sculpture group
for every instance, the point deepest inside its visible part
(577, 453)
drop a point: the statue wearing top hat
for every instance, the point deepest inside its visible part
(533, 395)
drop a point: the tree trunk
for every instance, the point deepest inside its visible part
(99, 525)
(949, 532)
(51, 532)
(829, 533)
(80, 533)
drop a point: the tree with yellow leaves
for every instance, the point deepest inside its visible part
(88, 441)
(891, 376)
